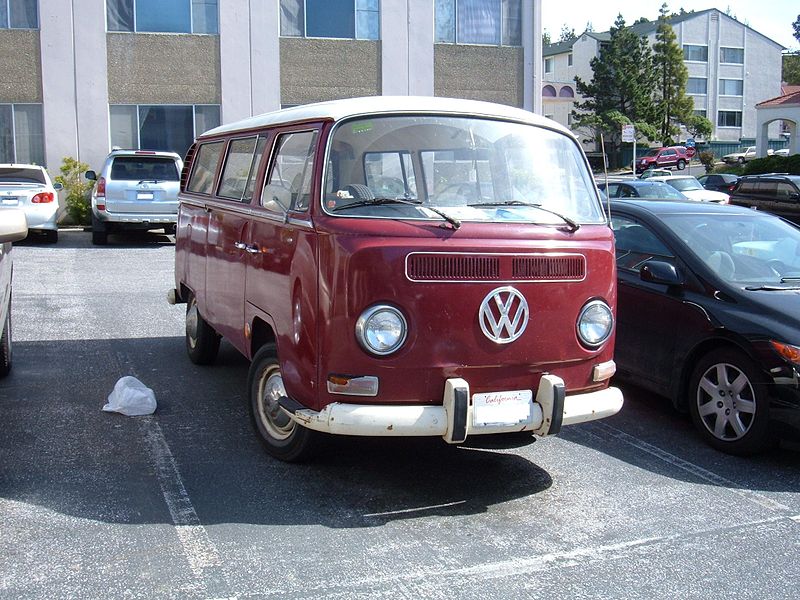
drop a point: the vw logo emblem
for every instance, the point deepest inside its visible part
(503, 315)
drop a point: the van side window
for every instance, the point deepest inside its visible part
(241, 168)
(289, 184)
(205, 168)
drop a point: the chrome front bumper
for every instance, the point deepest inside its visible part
(453, 419)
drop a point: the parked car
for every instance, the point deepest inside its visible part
(639, 188)
(781, 152)
(28, 188)
(289, 246)
(13, 227)
(669, 156)
(719, 182)
(709, 316)
(690, 187)
(742, 157)
(776, 193)
(653, 172)
(136, 189)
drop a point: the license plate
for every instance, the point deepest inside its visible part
(501, 408)
(9, 201)
(144, 196)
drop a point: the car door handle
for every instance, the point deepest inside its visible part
(252, 248)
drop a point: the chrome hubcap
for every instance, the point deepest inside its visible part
(270, 390)
(726, 402)
(191, 325)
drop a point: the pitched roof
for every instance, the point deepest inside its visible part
(558, 48)
(789, 99)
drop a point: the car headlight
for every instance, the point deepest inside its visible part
(595, 323)
(381, 329)
(787, 351)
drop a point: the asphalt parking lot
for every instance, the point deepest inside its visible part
(186, 504)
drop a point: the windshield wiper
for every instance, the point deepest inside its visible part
(771, 288)
(790, 278)
(379, 201)
(574, 226)
(141, 181)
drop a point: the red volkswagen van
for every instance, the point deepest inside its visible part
(400, 267)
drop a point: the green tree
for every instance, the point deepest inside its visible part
(791, 68)
(546, 41)
(620, 91)
(698, 126)
(76, 189)
(796, 26)
(672, 103)
(567, 34)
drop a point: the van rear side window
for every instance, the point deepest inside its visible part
(241, 167)
(205, 168)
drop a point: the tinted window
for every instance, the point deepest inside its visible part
(731, 55)
(478, 21)
(746, 187)
(175, 16)
(139, 168)
(767, 188)
(19, 14)
(205, 168)
(698, 53)
(291, 173)
(785, 190)
(635, 244)
(14, 174)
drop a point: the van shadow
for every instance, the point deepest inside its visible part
(59, 451)
(82, 238)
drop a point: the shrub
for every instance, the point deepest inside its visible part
(774, 164)
(77, 190)
(708, 160)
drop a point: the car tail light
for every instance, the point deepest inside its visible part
(101, 207)
(42, 198)
(101, 188)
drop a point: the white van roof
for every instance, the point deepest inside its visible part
(352, 107)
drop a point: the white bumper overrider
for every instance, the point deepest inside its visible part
(454, 419)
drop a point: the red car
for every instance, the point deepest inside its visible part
(670, 156)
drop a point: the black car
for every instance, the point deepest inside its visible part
(709, 315)
(777, 193)
(640, 188)
(719, 182)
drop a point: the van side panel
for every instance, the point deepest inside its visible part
(190, 251)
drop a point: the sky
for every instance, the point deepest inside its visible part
(772, 18)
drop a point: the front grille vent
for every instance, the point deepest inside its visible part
(453, 267)
(549, 267)
(495, 267)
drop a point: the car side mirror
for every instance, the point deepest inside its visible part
(794, 196)
(90, 175)
(58, 187)
(658, 271)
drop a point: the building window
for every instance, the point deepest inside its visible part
(160, 127)
(487, 22)
(569, 59)
(696, 53)
(344, 19)
(700, 113)
(548, 65)
(549, 91)
(21, 134)
(176, 16)
(566, 92)
(729, 118)
(731, 55)
(19, 14)
(697, 85)
(731, 87)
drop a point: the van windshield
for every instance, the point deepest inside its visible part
(472, 169)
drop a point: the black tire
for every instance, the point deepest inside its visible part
(5, 346)
(202, 342)
(729, 403)
(360, 192)
(740, 160)
(51, 236)
(681, 165)
(282, 437)
(170, 229)
(99, 233)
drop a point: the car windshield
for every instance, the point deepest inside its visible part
(144, 168)
(469, 169)
(21, 175)
(656, 189)
(684, 184)
(742, 249)
(653, 152)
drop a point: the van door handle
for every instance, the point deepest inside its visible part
(252, 248)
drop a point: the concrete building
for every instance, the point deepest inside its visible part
(731, 68)
(81, 76)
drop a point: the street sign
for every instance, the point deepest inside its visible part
(690, 142)
(628, 133)
(690, 151)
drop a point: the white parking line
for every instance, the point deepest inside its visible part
(697, 471)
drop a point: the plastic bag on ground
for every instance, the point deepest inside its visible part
(132, 398)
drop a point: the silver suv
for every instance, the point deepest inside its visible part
(136, 189)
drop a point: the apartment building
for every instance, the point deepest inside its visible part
(81, 76)
(731, 68)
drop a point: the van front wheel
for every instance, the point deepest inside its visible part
(282, 437)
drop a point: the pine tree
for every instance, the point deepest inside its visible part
(672, 103)
(620, 91)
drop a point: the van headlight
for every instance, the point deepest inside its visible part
(595, 323)
(381, 329)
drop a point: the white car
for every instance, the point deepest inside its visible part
(749, 153)
(692, 189)
(28, 188)
(12, 228)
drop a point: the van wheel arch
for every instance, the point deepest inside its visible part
(262, 334)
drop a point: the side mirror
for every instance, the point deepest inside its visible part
(58, 187)
(794, 196)
(91, 175)
(13, 226)
(657, 271)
